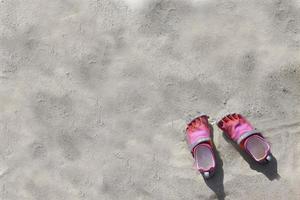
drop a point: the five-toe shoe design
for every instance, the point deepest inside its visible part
(238, 129)
(198, 135)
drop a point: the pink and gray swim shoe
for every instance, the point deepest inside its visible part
(199, 139)
(238, 129)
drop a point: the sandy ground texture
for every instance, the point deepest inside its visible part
(94, 96)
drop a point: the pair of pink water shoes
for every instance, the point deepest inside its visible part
(236, 128)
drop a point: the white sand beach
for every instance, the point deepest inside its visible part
(94, 95)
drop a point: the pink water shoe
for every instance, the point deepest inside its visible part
(238, 129)
(198, 134)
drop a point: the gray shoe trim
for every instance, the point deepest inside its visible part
(200, 140)
(247, 134)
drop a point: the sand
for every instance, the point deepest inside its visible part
(94, 95)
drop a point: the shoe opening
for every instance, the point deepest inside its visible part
(257, 147)
(204, 157)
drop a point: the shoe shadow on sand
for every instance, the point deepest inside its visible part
(215, 183)
(268, 169)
